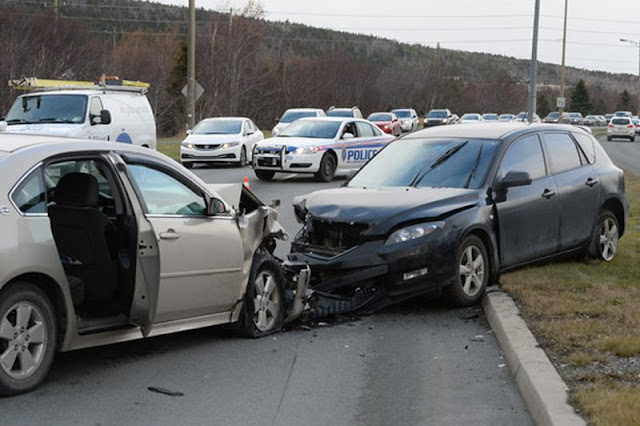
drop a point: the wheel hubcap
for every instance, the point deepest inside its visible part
(23, 339)
(472, 270)
(608, 239)
(266, 302)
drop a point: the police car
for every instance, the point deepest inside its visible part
(320, 146)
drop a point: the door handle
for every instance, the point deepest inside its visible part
(548, 193)
(591, 182)
(170, 234)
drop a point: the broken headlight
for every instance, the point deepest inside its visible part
(413, 232)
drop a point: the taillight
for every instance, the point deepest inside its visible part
(630, 126)
(611, 126)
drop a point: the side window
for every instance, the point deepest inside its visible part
(364, 129)
(55, 171)
(562, 152)
(163, 194)
(525, 155)
(350, 128)
(587, 145)
(95, 107)
(29, 196)
(253, 126)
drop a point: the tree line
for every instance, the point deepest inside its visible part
(252, 67)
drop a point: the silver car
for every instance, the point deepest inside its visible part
(108, 242)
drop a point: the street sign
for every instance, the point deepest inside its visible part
(561, 102)
(199, 90)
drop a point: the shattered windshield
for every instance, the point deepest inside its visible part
(450, 163)
(48, 109)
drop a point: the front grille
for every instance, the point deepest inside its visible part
(269, 161)
(335, 235)
(206, 147)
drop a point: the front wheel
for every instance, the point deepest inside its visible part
(243, 158)
(327, 168)
(264, 301)
(472, 274)
(264, 174)
(609, 138)
(604, 238)
(27, 338)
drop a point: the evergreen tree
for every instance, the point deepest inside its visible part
(544, 108)
(624, 103)
(600, 107)
(580, 98)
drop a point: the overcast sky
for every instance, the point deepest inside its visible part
(505, 27)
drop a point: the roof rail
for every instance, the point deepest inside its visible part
(104, 83)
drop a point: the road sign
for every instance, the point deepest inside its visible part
(199, 90)
(561, 102)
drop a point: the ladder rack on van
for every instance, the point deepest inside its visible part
(104, 83)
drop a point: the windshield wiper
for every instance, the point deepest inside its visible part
(444, 157)
(474, 168)
(18, 121)
(49, 120)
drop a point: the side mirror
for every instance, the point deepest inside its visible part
(189, 131)
(105, 117)
(215, 207)
(277, 120)
(348, 136)
(514, 178)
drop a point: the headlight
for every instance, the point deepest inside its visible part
(275, 131)
(229, 144)
(412, 232)
(309, 150)
(187, 145)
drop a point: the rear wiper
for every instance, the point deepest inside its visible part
(444, 157)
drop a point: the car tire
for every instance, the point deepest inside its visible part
(632, 138)
(264, 174)
(473, 274)
(604, 238)
(264, 301)
(27, 329)
(188, 165)
(609, 138)
(243, 157)
(327, 169)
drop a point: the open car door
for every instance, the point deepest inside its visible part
(147, 282)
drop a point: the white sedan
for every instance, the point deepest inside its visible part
(321, 146)
(220, 139)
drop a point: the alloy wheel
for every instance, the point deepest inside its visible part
(23, 340)
(472, 270)
(608, 239)
(266, 301)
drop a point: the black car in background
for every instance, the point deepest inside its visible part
(453, 206)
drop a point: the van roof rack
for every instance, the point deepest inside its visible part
(111, 83)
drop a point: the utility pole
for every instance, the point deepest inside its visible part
(191, 67)
(564, 51)
(533, 69)
(636, 44)
(230, 19)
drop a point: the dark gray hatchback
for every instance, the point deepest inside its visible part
(453, 206)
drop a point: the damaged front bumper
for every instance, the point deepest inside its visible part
(372, 275)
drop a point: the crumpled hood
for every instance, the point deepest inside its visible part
(383, 208)
(45, 129)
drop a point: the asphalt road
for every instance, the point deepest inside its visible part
(416, 363)
(624, 154)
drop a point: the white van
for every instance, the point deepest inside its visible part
(103, 112)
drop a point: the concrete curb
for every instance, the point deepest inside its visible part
(540, 385)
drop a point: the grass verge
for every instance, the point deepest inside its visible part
(586, 315)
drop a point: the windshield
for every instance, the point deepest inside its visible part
(340, 113)
(48, 109)
(574, 114)
(218, 127)
(379, 117)
(402, 113)
(312, 129)
(553, 115)
(490, 116)
(291, 116)
(437, 114)
(440, 163)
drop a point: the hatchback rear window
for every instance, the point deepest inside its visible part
(621, 121)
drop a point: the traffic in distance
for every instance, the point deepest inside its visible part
(115, 232)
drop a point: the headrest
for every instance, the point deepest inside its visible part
(78, 190)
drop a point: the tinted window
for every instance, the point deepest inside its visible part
(29, 196)
(365, 129)
(402, 113)
(437, 114)
(380, 117)
(621, 121)
(453, 163)
(562, 152)
(587, 145)
(525, 155)
(164, 194)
